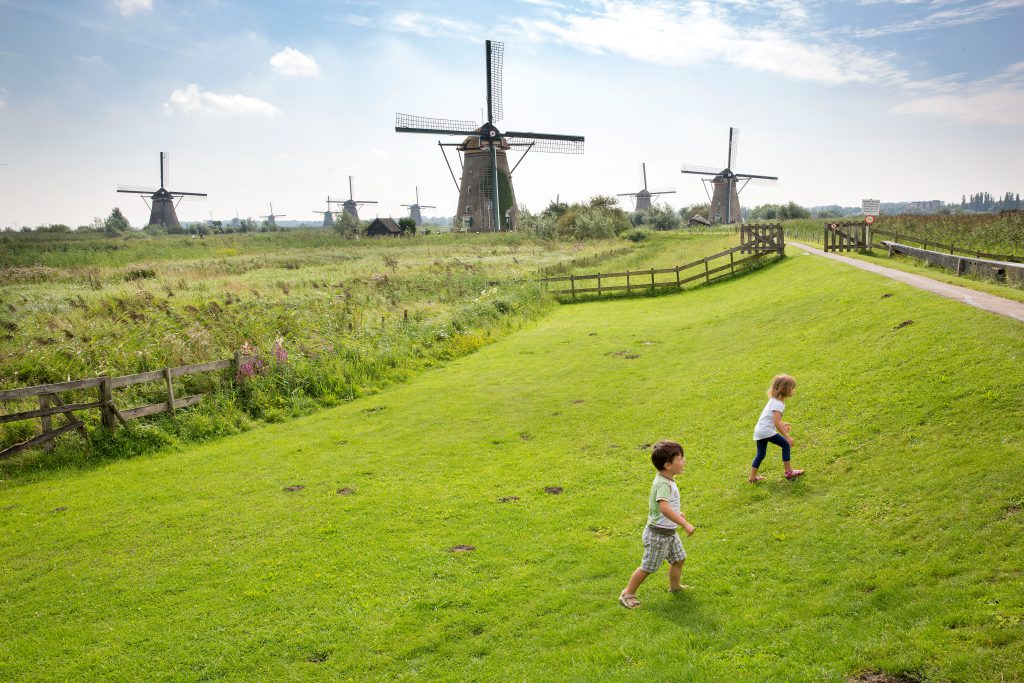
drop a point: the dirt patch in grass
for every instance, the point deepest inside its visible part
(375, 409)
(462, 548)
(882, 677)
(577, 401)
(903, 324)
(508, 499)
(318, 657)
(553, 490)
(1012, 509)
(886, 295)
(347, 491)
(625, 354)
(293, 487)
(62, 508)
(643, 447)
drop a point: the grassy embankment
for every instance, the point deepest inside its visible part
(76, 306)
(899, 552)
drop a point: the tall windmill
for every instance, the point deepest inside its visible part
(351, 205)
(414, 209)
(643, 197)
(486, 193)
(162, 200)
(725, 202)
(271, 218)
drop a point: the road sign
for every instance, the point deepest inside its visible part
(869, 219)
(870, 207)
(833, 226)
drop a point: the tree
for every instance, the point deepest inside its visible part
(116, 223)
(347, 225)
(407, 225)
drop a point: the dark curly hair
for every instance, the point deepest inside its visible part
(664, 452)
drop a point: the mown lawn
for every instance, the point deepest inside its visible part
(899, 552)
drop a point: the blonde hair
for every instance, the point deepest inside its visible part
(782, 387)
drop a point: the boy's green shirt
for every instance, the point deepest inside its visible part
(663, 488)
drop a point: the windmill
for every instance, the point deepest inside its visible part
(350, 205)
(328, 214)
(486, 193)
(163, 200)
(643, 197)
(272, 217)
(725, 203)
(414, 209)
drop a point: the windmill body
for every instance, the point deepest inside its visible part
(351, 205)
(163, 202)
(643, 198)
(487, 200)
(271, 218)
(414, 209)
(727, 185)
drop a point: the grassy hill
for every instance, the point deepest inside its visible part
(899, 552)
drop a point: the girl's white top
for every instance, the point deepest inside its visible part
(765, 426)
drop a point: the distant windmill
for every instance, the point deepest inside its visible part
(163, 200)
(351, 205)
(414, 209)
(643, 197)
(725, 203)
(271, 218)
(486, 193)
(328, 214)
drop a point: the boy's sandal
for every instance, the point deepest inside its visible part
(756, 479)
(683, 587)
(628, 601)
(794, 474)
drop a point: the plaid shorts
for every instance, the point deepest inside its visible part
(659, 548)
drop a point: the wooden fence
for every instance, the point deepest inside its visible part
(929, 245)
(756, 243)
(51, 405)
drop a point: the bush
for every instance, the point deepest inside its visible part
(636, 235)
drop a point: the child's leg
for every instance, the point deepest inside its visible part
(781, 442)
(675, 570)
(638, 577)
(762, 449)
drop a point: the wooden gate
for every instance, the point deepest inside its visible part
(846, 237)
(757, 239)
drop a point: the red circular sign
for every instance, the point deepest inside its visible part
(869, 219)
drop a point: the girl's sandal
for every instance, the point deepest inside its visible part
(794, 474)
(683, 587)
(628, 601)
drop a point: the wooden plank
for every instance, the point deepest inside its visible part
(106, 396)
(36, 440)
(129, 380)
(46, 421)
(52, 410)
(154, 408)
(28, 392)
(170, 388)
(203, 367)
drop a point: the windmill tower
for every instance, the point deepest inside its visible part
(163, 204)
(414, 209)
(351, 205)
(642, 199)
(487, 200)
(271, 217)
(328, 214)
(725, 202)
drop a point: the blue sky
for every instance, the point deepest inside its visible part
(258, 103)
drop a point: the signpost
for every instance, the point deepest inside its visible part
(870, 207)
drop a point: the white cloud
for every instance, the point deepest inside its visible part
(92, 60)
(193, 99)
(3, 105)
(997, 100)
(130, 7)
(431, 26)
(291, 62)
(954, 16)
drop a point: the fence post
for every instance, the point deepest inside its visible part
(572, 284)
(47, 421)
(707, 275)
(405, 315)
(170, 389)
(628, 290)
(238, 356)
(732, 267)
(677, 277)
(106, 395)
(599, 284)
(652, 279)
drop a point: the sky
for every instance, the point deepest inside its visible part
(255, 103)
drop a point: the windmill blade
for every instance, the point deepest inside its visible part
(663, 192)
(495, 62)
(547, 142)
(165, 169)
(734, 147)
(761, 181)
(427, 206)
(407, 123)
(137, 189)
(700, 170)
(187, 194)
(361, 202)
(751, 175)
(627, 194)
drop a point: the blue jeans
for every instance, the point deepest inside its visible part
(762, 448)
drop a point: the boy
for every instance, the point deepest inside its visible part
(661, 542)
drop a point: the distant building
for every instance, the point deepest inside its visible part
(383, 227)
(929, 205)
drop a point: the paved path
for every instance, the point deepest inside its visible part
(988, 302)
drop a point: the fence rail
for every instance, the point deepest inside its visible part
(754, 240)
(1001, 271)
(900, 237)
(51, 405)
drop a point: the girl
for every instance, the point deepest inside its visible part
(771, 429)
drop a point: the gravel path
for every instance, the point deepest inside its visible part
(982, 300)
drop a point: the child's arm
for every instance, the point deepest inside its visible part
(676, 517)
(782, 427)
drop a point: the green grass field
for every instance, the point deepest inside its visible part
(899, 552)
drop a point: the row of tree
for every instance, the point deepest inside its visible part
(983, 201)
